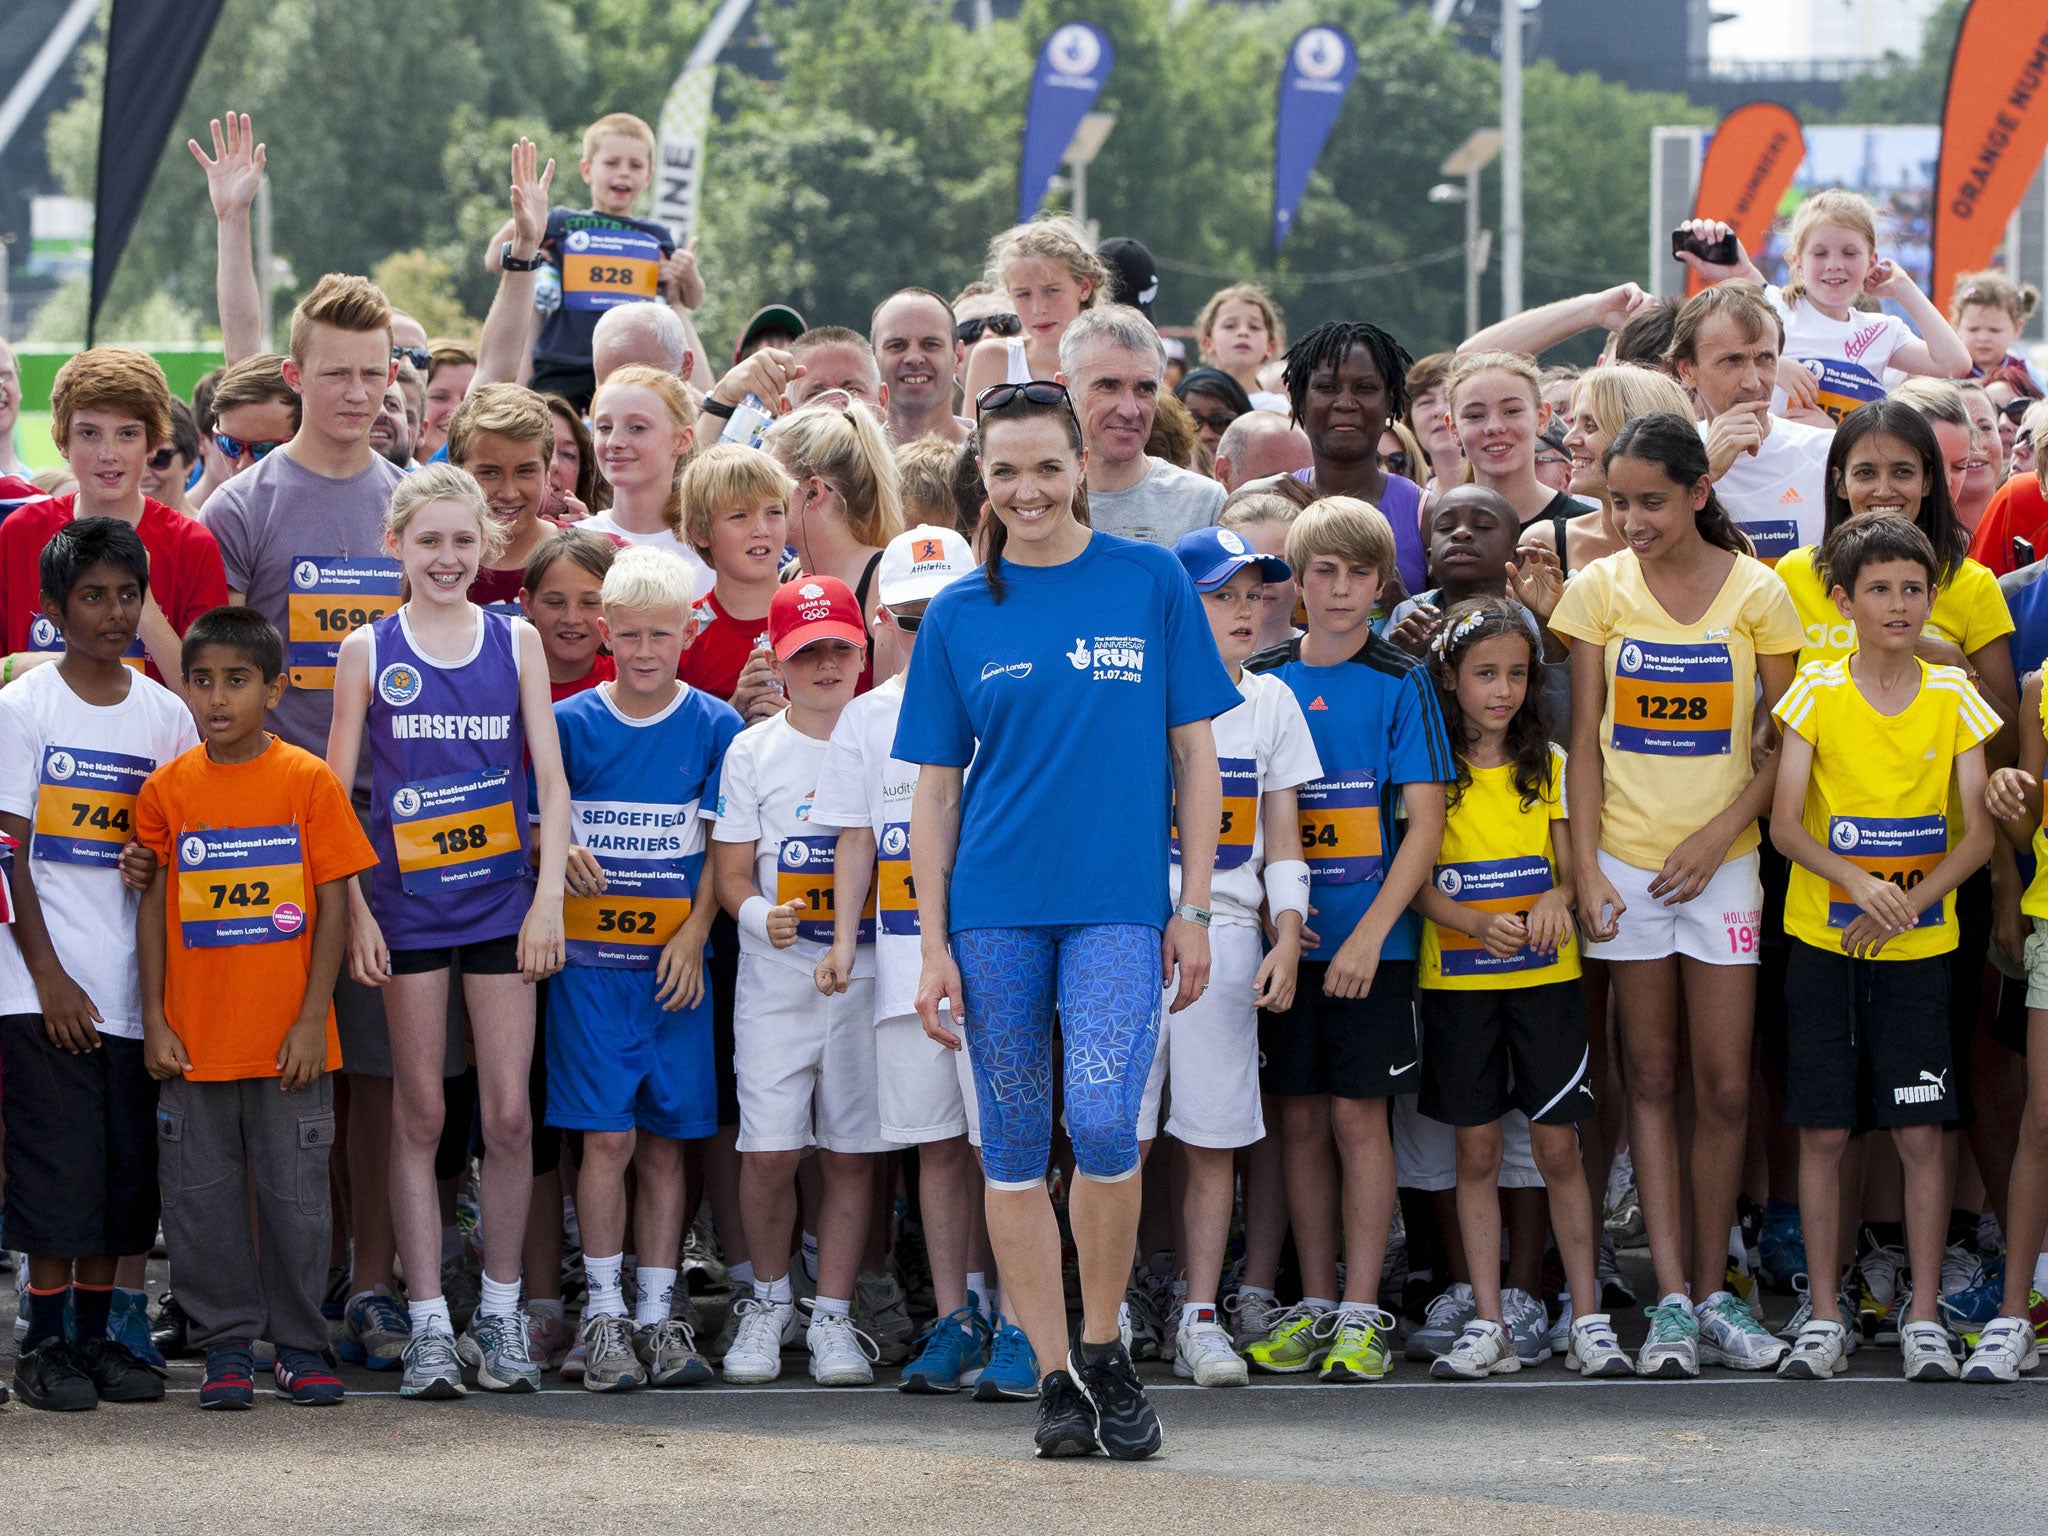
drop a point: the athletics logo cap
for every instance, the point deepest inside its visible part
(810, 609)
(922, 562)
(1214, 555)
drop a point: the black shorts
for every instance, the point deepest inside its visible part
(81, 1145)
(1487, 1052)
(547, 1139)
(1355, 1048)
(1774, 870)
(2009, 1023)
(486, 957)
(1866, 1041)
(1966, 963)
(724, 980)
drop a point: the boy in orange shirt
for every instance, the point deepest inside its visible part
(257, 838)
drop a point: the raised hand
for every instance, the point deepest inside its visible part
(235, 171)
(529, 198)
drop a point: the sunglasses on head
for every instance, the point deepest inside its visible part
(419, 357)
(970, 331)
(1038, 391)
(235, 448)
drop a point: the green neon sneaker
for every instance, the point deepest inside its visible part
(1358, 1345)
(1297, 1341)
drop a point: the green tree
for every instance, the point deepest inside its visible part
(1909, 93)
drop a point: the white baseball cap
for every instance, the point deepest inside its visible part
(922, 562)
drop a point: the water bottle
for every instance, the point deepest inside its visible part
(749, 420)
(761, 643)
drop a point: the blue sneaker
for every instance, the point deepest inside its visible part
(1782, 1247)
(375, 1332)
(1011, 1375)
(953, 1348)
(129, 1326)
(1968, 1310)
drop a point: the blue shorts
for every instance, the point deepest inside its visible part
(1104, 980)
(618, 1062)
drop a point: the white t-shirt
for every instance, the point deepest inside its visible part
(700, 573)
(1777, 496)
(1262, 744)
(861, 785)
(766, 791)
(74, 769)
(1849, 355)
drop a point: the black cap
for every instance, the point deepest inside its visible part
(779, 318)
(1134, 275)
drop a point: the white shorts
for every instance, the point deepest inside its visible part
(1723, 925)
(1211, 1051)
(1426, 1150)
(805, 1062)
(926, 1092)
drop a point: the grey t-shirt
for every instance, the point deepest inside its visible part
(269, 521)
(1167, 503)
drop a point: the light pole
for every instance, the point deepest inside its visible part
(1468, 160)
(1082, 149)
(1510, 158)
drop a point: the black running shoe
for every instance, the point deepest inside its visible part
(1066, 1419)
(118, 1375)
(53, 1378)
(1125, 1424)
(171, 1330)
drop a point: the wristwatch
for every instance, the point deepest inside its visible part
(512, 263)
(1199, 916)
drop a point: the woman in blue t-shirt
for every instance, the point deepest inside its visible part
(1075, 671)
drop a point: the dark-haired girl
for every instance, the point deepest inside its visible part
(1672, 636)
(1503, 1019)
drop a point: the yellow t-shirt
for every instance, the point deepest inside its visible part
(1969, 611)
(1674, 732)
(1879, 793)
(2035, 902)
(1497, 857)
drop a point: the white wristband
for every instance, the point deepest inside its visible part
(753, 918)
(1286, 888)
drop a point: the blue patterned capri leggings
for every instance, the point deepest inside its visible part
(1105, 980)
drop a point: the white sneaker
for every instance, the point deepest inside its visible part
(1251, 1317)
(1845, 1310)
(841, 1355)
(1593, 1349)
(1958, 1269)
(755, 1357)
(1560, 1336)
(1819, 1353)
(1483, 1349)
(1926, 1352)
(1528, 1326)
(1672, 1350)
(1730, 1335)
(610, 1361)
(2005, 1348)
(1449, 1311)
(1202, 1353)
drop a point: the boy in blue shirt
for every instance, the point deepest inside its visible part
(1349, 1041)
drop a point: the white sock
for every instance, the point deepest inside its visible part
(1318, 1304)
(500, 1298)
(831, 1306)
(1354, 1306)
(740, 1274)
(2041, 1274)
(607, 1296)
(572, 1233)
(977, 1289)
(1263, 1292)
(1191, 1312)
(546, 1306)
(431, 1313)
(451, 1244)
(657, 1290)
(775, 1292)
(810, 1256)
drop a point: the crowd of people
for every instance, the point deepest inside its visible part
(1003, 855)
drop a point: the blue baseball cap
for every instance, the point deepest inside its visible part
(1214, 555)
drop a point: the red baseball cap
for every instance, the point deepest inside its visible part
(810, 609)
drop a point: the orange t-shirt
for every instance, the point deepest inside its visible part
(2017, 511)
(243, 848)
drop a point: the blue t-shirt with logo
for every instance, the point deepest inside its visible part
(1060, 696)
(1376, 726)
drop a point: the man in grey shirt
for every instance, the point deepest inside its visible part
(1112, 362)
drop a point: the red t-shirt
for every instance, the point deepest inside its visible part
(602, 670)
(719, 653)
(186, 576)
(2018, 511)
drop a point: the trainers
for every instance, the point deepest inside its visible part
(669, 1351)
(1125, 1426)
(1357, 1348)
(1615, 1291)
(882, 1313)
(306, 1379)
(548, 1338)
(1202, 1353)
(1781, 1247)
(375, 1331)
(1251, 1317)
(841, 1354)
(1449, 1311)
(1852, 1334)
(2005, 1348)
(1818, 1352)
(171, 1332)
(1959, 1267)
(1730, 1335)
(1297, 1341)
(117, 1375)
(1140, 1324)
(1967, 1310)
(1011, 1375)
(1594, 1350)
(1066, 1418)
(1877, 1302)
(334, 1300)
(1927, 1353)
(55, 1379)
(495, 1348)
(1483, 1348)
(610, 1362)
(432, 1367)
(230, 1379)
(1672, 1350)
(755, 1355)
(461, 1290)
(951, 1354)
(1528, 1325)
(128, 1322)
